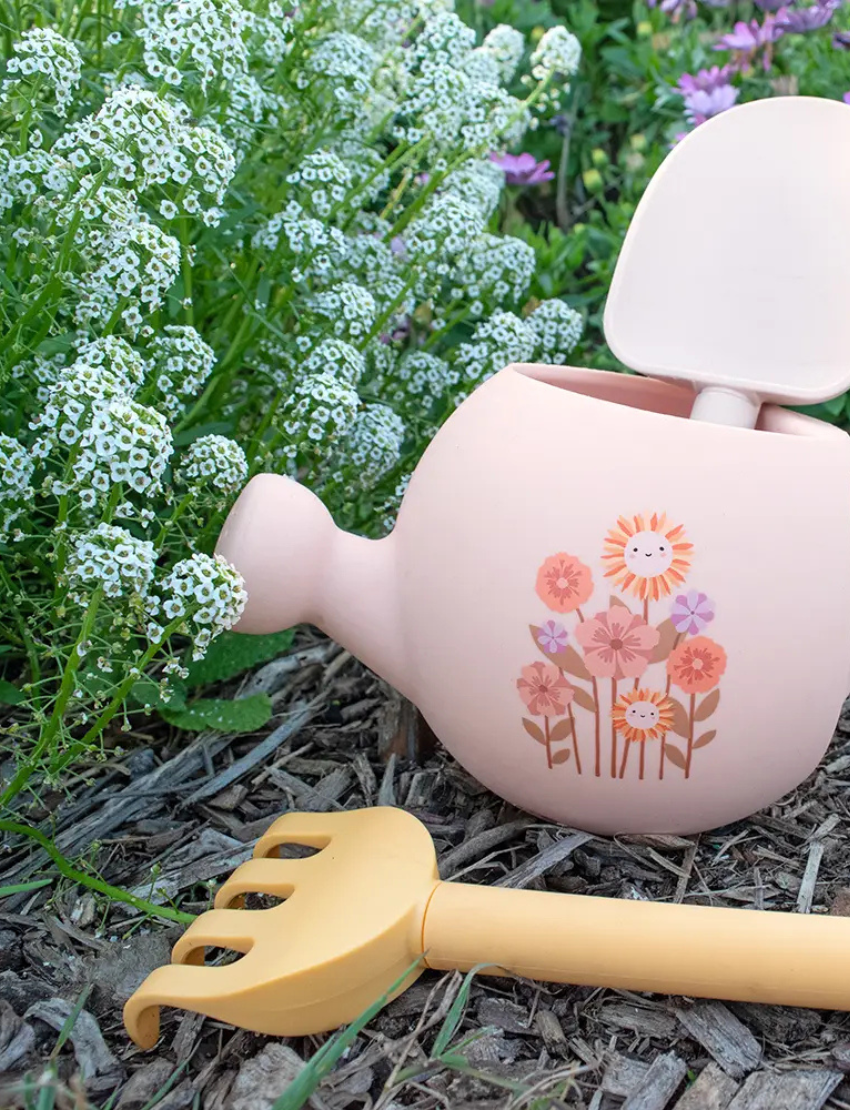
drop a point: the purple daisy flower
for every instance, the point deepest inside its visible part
(701, 105)
(799, 21)
(841, 40)
(692, 612)
(552, 637)
(705, 80)
(746, 38)
(846, 98)
(522, 169)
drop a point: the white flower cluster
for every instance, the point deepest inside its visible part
(112, 558)
(443, 233)
(113, 438)
(496, 342)
(204, 594)
(216, 461)
(506, 45)
(345, 63)
(16, 470)
(480, 184)
(557, 55)
(117, 356)
(557, 328)
(203, 37)
(179, 363)
(417, 383)
(348, 309)
(495, 270)
(322, 181)
(372, 445)
(338, 358)
(151, 144)
(316, 413)
(307, 241)
(43, 63)
(128, 262)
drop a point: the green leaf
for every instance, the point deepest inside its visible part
(23, 888)
(231, 653)
(223, 714)
(9, 694)
(147, 692)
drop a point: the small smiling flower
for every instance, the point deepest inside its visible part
(647, 557)
(643, 715)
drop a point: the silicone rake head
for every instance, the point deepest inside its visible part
(351, 925)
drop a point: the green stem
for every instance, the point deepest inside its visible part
(23, 774)
(32, 655)
(71, 872)
(178, 512)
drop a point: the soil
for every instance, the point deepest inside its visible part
(172, 819)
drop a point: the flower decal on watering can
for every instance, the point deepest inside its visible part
(635, 673)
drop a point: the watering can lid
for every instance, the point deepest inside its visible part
(736, 268)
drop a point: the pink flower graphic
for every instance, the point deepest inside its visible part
(617, 644)
(552, 637)
(544, 690)
(692, 613)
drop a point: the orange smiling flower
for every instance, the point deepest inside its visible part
(643, 715)
(697, 665)
(564, 583)
(647, 556)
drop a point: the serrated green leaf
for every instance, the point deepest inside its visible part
(9, 694)
(233, 652)
(147, 692)
(223, 714)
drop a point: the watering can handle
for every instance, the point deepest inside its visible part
(697, 951)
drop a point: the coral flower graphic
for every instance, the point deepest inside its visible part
(643, 715)
(564, 583)
(697, 665)
(544, 690)
(648, 557)
(617, 644)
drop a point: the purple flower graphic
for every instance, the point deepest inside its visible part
(552, 637)
(522, 169)
(692, 613)
(798, 21)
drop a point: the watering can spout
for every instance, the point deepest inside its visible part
(300, 568)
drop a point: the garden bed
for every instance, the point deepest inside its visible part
(170, 821)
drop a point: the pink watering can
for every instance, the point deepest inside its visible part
(621, 601)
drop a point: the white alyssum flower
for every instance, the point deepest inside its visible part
(322, 180)
(349, 309)
(316, 413)
(345, 63)
(372, 446)
(335, 356)
(151, 144)
(497, 269)
(216, 461)
(179, 362)
(116, 355)
(16, 471)
(556, 328)
(496, 343)
(443, 233)
(418, 382)
(507, 45)
(480, 184)
(311, 246)
(194, 37)
(113, 558)
(557, 55)
(204, 594)
(444, 40)
(44, 61)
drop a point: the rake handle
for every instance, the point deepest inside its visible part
(698, 951)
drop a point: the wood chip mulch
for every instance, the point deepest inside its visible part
(170, 820)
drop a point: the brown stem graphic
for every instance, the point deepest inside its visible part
(548, 742)
(625, 758)
(597, 738)
(663, 756)
(613, 730)
(575, 738)
(679, 637)
(646, 609)
(690, 736)
(642, 765)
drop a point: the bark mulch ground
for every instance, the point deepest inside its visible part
(173, 818)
